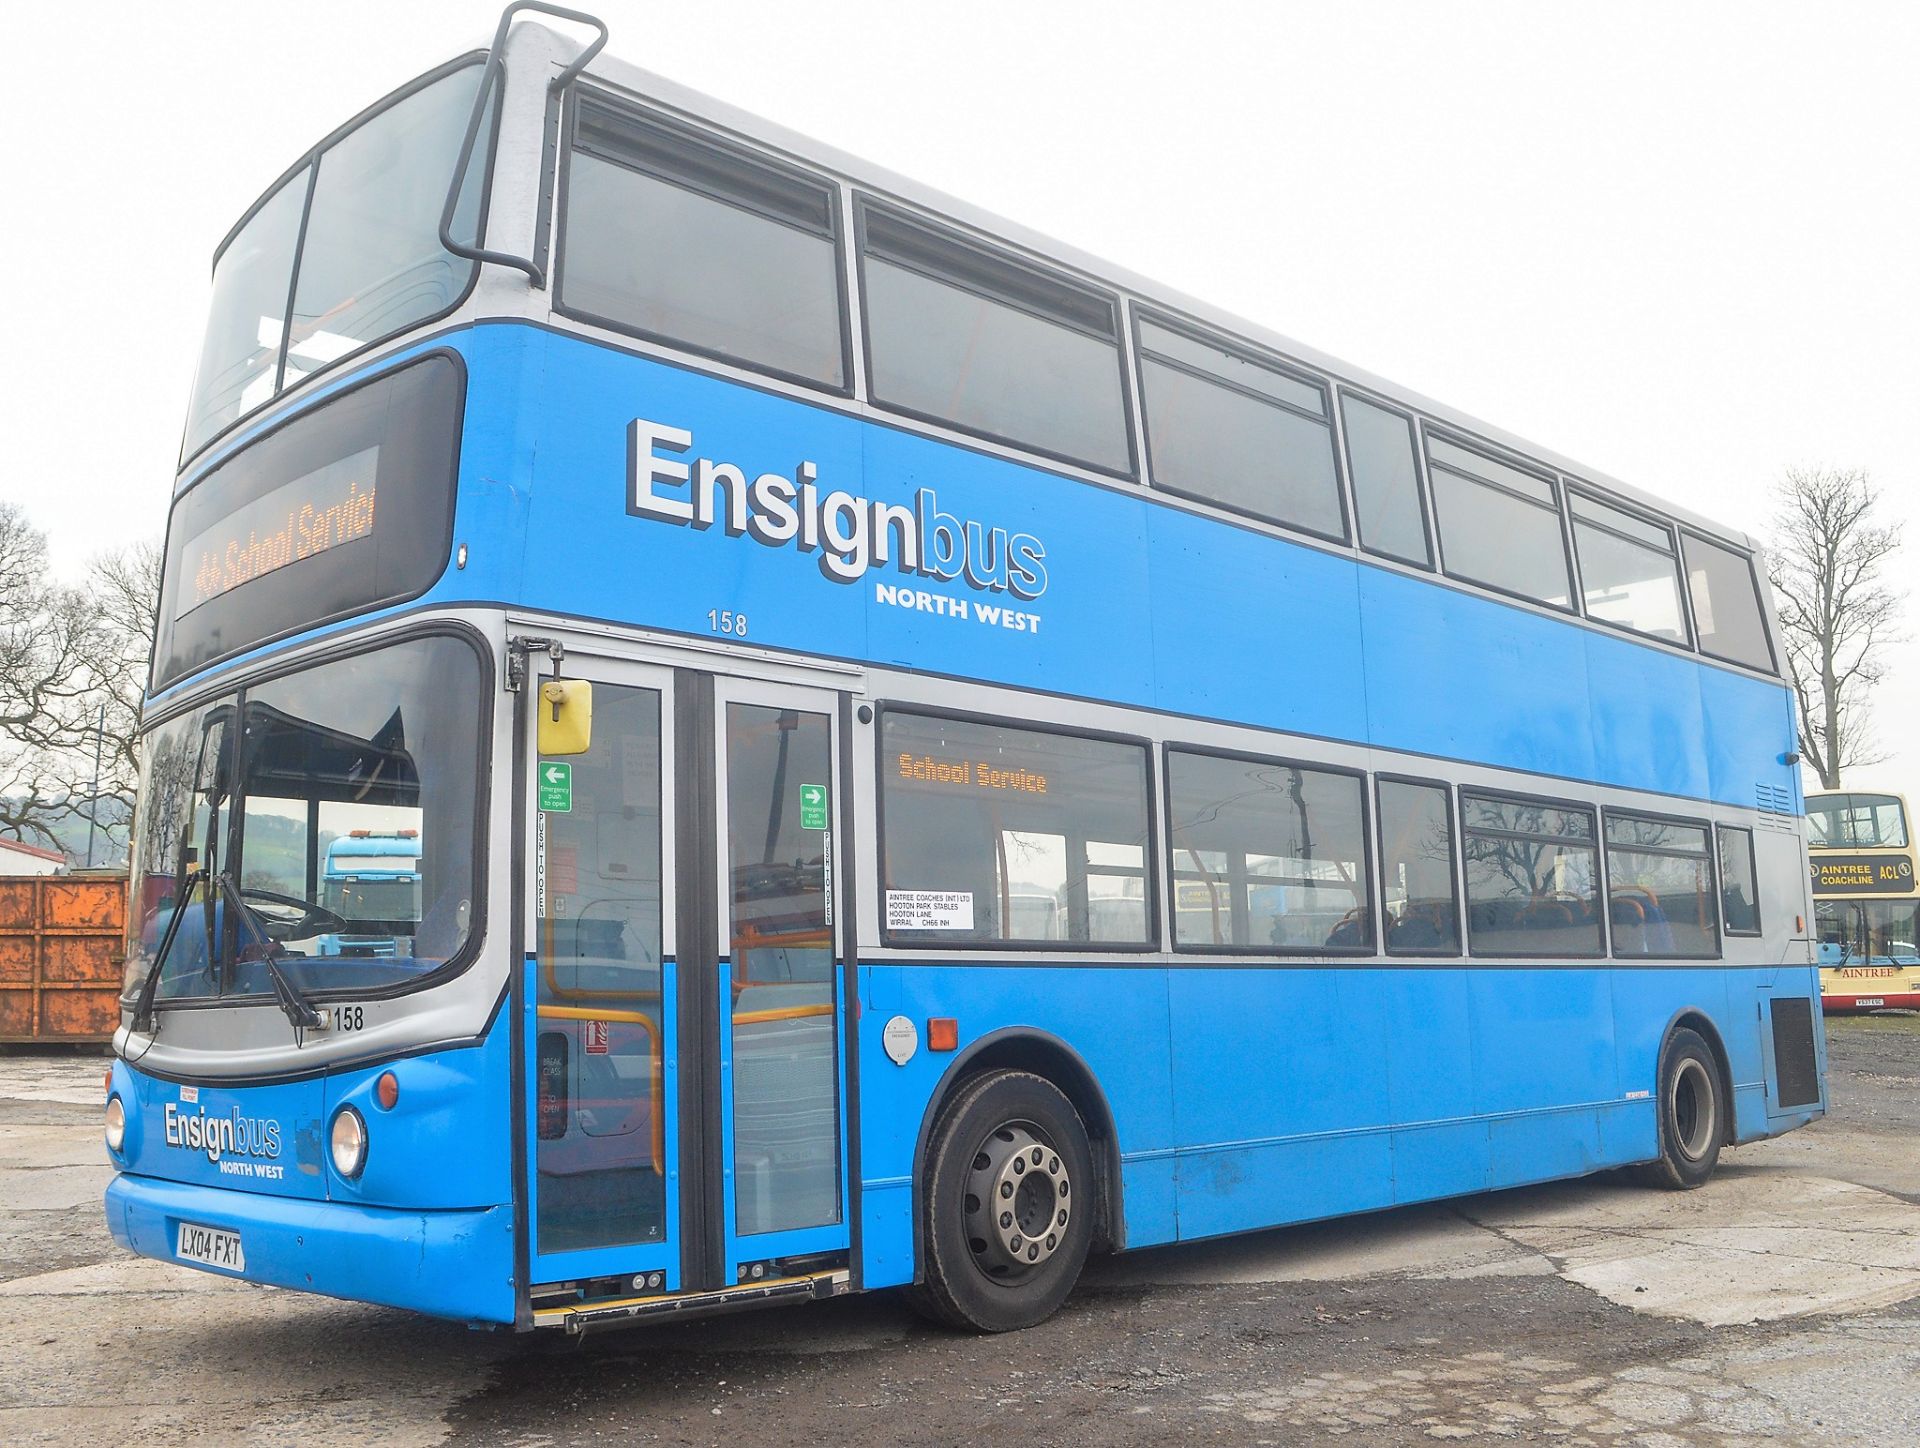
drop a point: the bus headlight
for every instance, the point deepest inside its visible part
(349, 1142)
(116, 1124)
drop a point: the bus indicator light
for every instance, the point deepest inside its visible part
(387, 1090)
(943, 1033)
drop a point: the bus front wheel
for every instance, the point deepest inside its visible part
(1008, 1206)
(1693, 1114)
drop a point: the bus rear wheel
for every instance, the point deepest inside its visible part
(1008, 1205)
(1693, 1114)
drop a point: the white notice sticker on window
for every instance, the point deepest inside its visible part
(929, 909)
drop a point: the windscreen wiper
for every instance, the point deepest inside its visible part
(150, 987)
(294, 1005)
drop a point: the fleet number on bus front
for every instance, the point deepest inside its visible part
(726, 621)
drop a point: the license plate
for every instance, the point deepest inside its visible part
(1868, 1002)
(210, 1247)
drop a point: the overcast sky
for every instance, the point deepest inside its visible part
(1677, 243)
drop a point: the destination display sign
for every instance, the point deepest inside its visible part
(976, 774)
(326, 508)
(1862, 874)
(345, 508)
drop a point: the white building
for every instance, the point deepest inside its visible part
(17, 858)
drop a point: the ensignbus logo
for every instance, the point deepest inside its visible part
(220, 1136)
(851, 534)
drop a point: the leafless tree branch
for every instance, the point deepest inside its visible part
(1828, 566)
(72, 663)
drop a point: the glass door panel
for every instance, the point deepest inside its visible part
(602, 1040)
(781, 1006)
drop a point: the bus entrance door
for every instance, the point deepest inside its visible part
(600, 1060)
(779, 1118)
(686, 1046)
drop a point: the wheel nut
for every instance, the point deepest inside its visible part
(1006, 1219)
(1016, 1244)
(1006, 1189)
(1018, 1166)
(1053, 1165)
(1062, 1218)
(1037, 1154)
(1052, 1241)
(1033, 1254)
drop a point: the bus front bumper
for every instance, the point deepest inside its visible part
(456, 1264)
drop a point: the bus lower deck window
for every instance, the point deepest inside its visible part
(992, 833)
(1267, 855)
(1533, 877)
(1660, 889)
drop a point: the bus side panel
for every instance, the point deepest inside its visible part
(1431, 1068)
(1649, 718)
(1750, 730)
(1281, 1104)
(1545, 1068)
(1444, 672)
(1115, 1020)
(1794, 1064)
(1208, 583)
(444, 1144)
(1461, 677)
(1644, 1002)
(1742, 1030)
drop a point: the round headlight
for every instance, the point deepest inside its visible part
(116, 1124)
(349, 1142)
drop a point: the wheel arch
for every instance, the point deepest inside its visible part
(1023, 1048)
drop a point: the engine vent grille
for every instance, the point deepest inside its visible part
(1775, 803)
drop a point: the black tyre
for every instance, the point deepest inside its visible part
(1693, 1114)
(1008, 1203)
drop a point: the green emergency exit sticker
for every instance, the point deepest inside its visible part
(556, 788)
(813, 806)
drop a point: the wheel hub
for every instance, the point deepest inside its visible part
(1019, 1201)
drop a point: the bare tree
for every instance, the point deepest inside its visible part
(72, 662)
(1827, 567)
(124, 590)
(43, 682)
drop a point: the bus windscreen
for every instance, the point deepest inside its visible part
(1856, 821)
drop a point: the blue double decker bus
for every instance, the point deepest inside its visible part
(935, 756)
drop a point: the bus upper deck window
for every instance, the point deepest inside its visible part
(989, 344)
(1229, 429)
(674, 235)
(1726, 604)
(1499, 524)
(1629, 574)
(1386, 485)
(355, 234)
